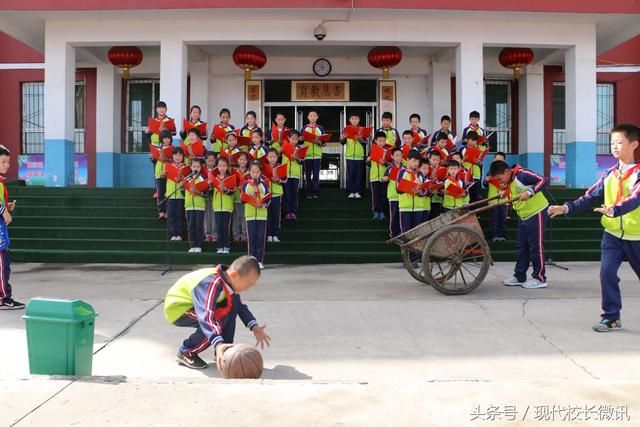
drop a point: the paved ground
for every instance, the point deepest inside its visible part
(352, 346)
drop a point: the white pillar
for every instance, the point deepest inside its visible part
(59, 112)
(173, 79)
(440, 82)
(531, 123)
(199, 90)
(580, 110)
(469, 83)
(108, 93)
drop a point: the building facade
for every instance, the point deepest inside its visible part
(65, 103)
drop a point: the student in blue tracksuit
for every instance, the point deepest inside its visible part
(619, 189)
(256, 211)
(531, 207)
(445, 125)
(6, 207)
(209, 300)
(313, 159)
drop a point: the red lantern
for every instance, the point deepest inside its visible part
(515, 58)
(384, 57)
(249, 58)
(125, 57)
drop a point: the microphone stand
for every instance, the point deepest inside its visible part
(167, 266)
(548, 260)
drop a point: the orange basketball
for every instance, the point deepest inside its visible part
(241, 361)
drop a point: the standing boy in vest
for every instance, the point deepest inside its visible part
(6, 301)
(313, 160)
(354, 153)
(619, 188)
(531, 207)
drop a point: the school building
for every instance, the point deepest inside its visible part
(74, 119)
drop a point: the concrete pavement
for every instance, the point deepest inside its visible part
(352, 345)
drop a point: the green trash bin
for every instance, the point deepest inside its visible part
(60, 336)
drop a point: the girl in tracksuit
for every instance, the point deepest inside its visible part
(391, 177)
(174, 194)
(194, 205)
(255, 211)
(294, 175)
(223, 208)
(238, 224)
(276, 188)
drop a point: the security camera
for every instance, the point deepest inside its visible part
(320, 32)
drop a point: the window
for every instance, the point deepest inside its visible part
(141, 98)
(497, 95)
(605, 98)
(33, 117)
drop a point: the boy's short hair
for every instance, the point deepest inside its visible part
(387, 115)
(414, 154)
(279, 113)
(453, 163)
(165, 134)
(251, 113)
(408, 132)
(313, 110)
(161, 104)
(395, 150)
(177, 150)
(423, 162)
(272, 150)
(472, 135)
(355, 115)
(245, 265)
(380, 134)
(441, 136)
(456, 153)
(631, 132)
(474, 115)
(435, 153)
(198, 160)
(257, 131)
(224, 110)
(415, 116)
(294, 132)
(209, 154)
(498, 167)
(501, 153)
(195, 131)
(445, 117)
(4, 151)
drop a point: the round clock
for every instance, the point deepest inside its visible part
(322, 67)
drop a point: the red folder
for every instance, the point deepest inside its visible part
(443, 155)
(307, 136)
(244, 197)
(288, 150)
(352, 132)
(405, 151)
(302, 152)
(202, 186)
(155, 125)
(433, 186)
(407, 186)
(230, 182)
(482, 139)
(244, 141)
(416, 138)
(275, 133)
(450, 145)
(466, 175)
(471, 154)
(202, 127)
(454, 191)
(157, 152)
(441, 173)
(393, 173)
(378, 154)
(280, 171)
(240, 176)
(219, 133)
(176, 172)
(197, 148)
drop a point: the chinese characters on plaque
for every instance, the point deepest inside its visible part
(311, 90)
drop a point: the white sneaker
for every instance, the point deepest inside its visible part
(269, 239)
(178, 237)
(534, 284)
(226, 250)
(261, 266)
(275, 239)
(191, 250)
(352, 195)
(173, 238)
(512, 281)
(358, 196)
(197, 250)
(220, 251)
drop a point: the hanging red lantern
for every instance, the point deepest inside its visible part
(249, 58)
(515, 58)
(125, 57)
(384, 57)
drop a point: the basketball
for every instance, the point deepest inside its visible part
(241, 361)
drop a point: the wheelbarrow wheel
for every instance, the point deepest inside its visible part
(456, 260)
(415, 269)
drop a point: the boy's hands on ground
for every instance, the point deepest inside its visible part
(261, 336)
(604, 210)
(220, 349)
(556, 210)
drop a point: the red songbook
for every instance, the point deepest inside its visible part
(471, 154)
(302, 152)
(244, 197)
(219, 133)
(288, 150)
(306, 136)
(240, 176)
(176, 172)
(244, 141)
(197, 148)
(202, 186)
(482, 139)
(202, 127)
(155, 125)
(407, 186)
(466, 175)
(450, 145)
(280, 171)
(157, 152)
(405, 151)
(352, 132)
(230, 182)
(378, 154)
(416, 138)
(276, 134)
(454, 191)
(441, 173)
(444, 156)
(433, 186)
(393, 173)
